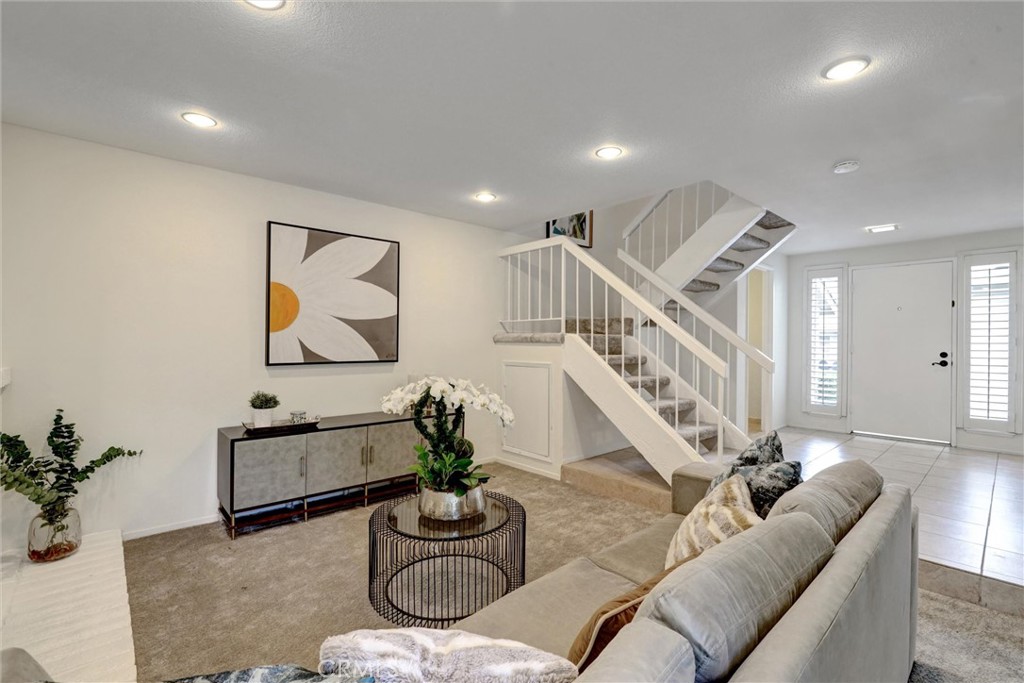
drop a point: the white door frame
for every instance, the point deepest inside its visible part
(954, 382)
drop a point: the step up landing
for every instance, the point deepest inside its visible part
(622, 475)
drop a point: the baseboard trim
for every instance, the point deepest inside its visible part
(174, 526)
(527, 468)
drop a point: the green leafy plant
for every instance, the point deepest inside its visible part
(261, 400)
(446, 462)
(51, 481)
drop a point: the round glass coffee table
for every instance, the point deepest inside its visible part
(429, 573)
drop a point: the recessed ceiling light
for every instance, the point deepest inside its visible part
(847, 68)
(848, 166)
(266, 4)
(485, 197)
(888, 227)
(608, 152)
(199, 120)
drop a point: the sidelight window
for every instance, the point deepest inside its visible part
(989, 334)
(824, 340)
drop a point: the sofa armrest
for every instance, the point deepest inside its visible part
(690, 483)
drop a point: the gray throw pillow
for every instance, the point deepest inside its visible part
(763, 451)
(767, 483)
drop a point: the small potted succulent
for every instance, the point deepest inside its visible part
(263, 405)
(449, 483)
(51, 482)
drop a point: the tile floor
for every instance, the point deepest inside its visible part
(971, 503)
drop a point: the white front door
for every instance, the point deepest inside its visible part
(901, 325)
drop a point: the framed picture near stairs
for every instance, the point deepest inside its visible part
(579, 227)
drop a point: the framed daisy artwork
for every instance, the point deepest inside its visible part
(331, 297)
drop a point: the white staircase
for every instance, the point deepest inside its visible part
(702, 238)
(652, 359)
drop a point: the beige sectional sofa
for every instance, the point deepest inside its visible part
(824, 590)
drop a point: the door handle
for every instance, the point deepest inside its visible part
(302, 466)
(941, 363)
(371, 455)
(362, 455)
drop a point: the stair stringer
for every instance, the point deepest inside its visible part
(713, 238)
(641, 424)
(734, 437)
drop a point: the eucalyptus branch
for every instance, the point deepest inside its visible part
(50, 481)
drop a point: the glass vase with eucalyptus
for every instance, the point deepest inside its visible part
(51, 482)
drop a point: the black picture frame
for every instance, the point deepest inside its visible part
(587, 241)
(385, 274)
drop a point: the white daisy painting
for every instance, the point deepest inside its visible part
(331, 297)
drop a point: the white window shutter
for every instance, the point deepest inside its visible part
(989, 327)
(824, 341)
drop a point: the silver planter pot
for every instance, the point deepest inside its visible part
(449, 507)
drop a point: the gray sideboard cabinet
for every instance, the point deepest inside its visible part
(265, 479)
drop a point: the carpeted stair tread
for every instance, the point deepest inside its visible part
(689, 431)
(612, 326)
(669, 407)
(724, 265)
(604, 344)
(771, 221)
(696, 285)
(749, 242)
(648, 382)
(529, 338)
(617, 360)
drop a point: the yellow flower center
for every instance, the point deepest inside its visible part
(284, 307)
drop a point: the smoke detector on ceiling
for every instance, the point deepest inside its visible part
(848, 166)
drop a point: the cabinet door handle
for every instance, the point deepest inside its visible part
(302, 466)
(362, 455)
(371, 455)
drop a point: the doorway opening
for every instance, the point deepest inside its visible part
(760, 287)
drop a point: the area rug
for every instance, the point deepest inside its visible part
(202, 603)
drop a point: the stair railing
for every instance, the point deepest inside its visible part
(553, 283)
(671, 218)
(707, 329)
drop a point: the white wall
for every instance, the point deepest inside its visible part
(133, 297)
(895, 253)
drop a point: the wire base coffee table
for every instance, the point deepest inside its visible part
(429, 573)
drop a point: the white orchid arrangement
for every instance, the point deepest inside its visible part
(447, 465)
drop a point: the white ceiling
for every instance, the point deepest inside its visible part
(421, 105)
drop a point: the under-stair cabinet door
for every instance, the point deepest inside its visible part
(391, 450)
(335, 460)
(269, 471)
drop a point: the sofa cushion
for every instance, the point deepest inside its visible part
(644, 651)
(641, 555)
(548, 612)
(856, 620)
(835, 497)
(724, 512)
(724, 601)
(609, 619)
(767, 482)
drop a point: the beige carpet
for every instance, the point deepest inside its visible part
(202, 603)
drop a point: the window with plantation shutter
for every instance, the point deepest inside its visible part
(989, 331)
(824, 341)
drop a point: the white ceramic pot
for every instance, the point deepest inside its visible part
(262, 417)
